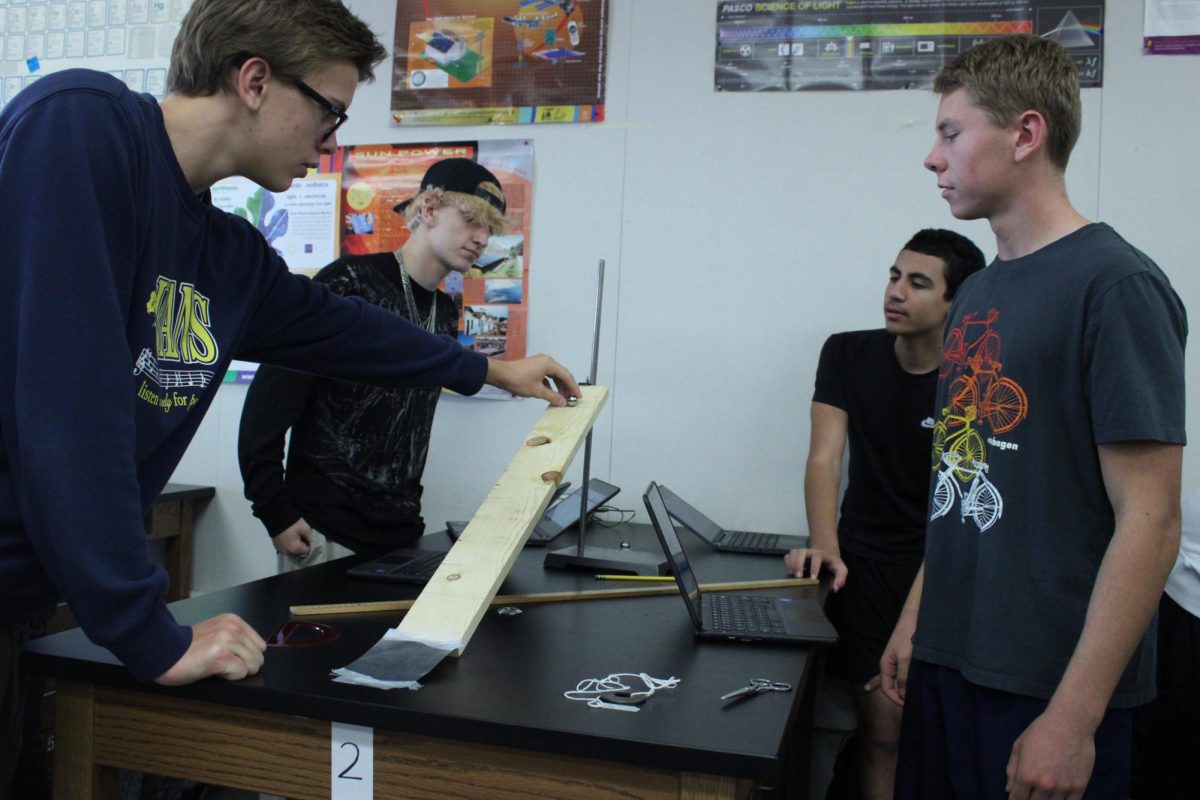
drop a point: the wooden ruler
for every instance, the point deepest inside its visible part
(553, 597)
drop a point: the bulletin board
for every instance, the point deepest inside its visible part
(130, 39)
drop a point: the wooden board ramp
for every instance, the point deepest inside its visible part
(451, 605)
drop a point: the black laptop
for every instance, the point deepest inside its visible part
(408, 565)
(767, 544)
(560, 516)
(746, 617)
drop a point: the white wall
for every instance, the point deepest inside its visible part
(739, 230)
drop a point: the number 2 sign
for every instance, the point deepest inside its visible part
(352, 762)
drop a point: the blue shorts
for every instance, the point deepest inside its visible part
(956, 739)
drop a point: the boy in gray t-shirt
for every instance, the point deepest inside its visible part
(1059, 440)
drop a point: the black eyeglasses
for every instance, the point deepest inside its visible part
(320, 99)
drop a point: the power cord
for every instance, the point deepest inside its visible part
(624, 515)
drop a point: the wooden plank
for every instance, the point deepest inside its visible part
(553, 597)
(456, 597)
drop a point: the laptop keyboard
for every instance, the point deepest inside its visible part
(422, 567)
(737, 613)
(751, 539)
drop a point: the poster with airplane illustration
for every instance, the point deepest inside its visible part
(498, 62)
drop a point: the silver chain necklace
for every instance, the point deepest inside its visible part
(430, 322)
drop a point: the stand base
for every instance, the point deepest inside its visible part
(608, 560)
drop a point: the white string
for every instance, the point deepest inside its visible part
(592, 689)
(596, 702)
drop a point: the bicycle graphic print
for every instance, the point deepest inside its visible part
(966, 443)
(1000, 401)
(981, 500)
(978, 399)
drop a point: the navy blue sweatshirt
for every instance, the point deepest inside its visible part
(123, 298)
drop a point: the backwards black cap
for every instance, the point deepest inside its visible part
(464, 176)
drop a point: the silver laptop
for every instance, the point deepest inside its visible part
(767, 544)
(740, 617)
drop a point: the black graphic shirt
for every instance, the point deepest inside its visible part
(356, 453)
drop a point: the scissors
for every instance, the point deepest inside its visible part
(757, 686)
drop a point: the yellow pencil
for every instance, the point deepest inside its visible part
(635, 578)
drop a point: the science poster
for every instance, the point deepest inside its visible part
(492, 296)
(300, 224)
(794, 45)
(498, 62)
(1172, 28)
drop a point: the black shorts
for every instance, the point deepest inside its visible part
(956, 738)
(1166, 740)
(865, 613)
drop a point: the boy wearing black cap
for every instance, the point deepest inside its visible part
(357, 452)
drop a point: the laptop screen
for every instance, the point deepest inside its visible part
(684, 577)
(689, 517)
(566, 512)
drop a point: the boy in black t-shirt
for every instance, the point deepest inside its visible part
(876, 388)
